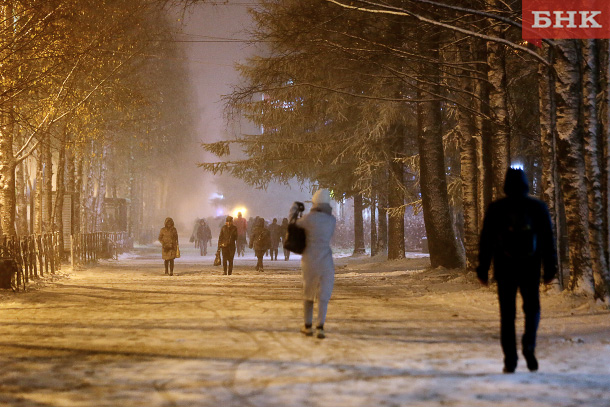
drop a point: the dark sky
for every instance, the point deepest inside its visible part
(211, 59)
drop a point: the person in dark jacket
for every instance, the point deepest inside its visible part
(260, 241)
(275, 233)
(227, 243)
(242, 231)
(203, 236)
(518, 236)
(283, 231)
(168, 236)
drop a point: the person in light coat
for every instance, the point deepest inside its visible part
(168, 236)
(317, 266)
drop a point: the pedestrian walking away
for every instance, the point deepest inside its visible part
(168, 236)
(317, 266)
(260, 241)
(203, 235)
(518, 236)
(283, 231)
(242, 231)
(227, 241)
(275, 232)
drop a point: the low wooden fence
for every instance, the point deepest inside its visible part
(37, 255)
(89, 247)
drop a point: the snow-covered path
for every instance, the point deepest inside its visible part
(124, 334)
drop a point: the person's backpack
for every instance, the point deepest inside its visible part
(518, 239)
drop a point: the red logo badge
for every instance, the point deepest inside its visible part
(565, 19)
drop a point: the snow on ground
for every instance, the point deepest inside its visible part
(399, 334)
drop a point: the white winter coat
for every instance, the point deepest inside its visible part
(318, 268)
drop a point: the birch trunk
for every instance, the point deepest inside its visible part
(58, 208)
(88, 197)
(548, 149)
(499, 108)
(468, 173)
(382, 245)
(483, 137)
(572, 165)
(101, 190)
(7, 180)
(592, 140)
(70, 187)
(77, 200)
(38, 193)
(21, 218)
(358, 226)
(374, 243)
(47, 185)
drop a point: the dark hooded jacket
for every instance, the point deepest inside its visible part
(499, 223)
(260, 239)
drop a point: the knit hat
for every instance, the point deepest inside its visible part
(516, 183)
(229, 219)
(322, 196)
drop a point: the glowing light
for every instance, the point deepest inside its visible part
(241, 209)
(517, 166)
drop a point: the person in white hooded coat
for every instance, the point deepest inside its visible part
(318, 268)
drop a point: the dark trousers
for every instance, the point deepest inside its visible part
(507, 296)
(241, 245)
(228, 253)
(203, 247)
(274, 253)
(170, 264)
(259, 255)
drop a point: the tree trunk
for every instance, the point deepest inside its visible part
(101, 190)
(468, 173)
(358, 226)
(7, 182)
(21, 218)
(38, 216)
(572, 165)
(88, 197)
(70, 178)
(396, 215)
(442, 243)
(58, 208)
(382, 236)
(77, 199)
(605, 109)
(499, 109)
(47, 186)
(593, 158)
(548, 149)
(374, 243)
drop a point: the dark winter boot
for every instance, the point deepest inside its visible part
(320, 332)
(509, 366)
(530, 359)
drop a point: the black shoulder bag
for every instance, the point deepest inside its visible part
(295, 235)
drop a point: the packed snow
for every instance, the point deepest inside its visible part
(122, 333)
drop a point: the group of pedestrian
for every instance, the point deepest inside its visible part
(517, 236)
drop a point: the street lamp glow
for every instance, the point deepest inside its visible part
(241, 209)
